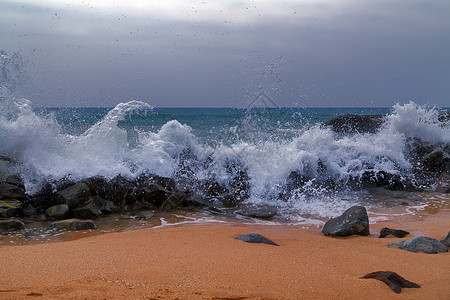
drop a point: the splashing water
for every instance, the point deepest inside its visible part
(297, 165)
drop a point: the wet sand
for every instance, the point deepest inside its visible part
(206, 262)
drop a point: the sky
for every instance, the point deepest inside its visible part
(178, 53)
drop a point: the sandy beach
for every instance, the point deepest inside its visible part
(206, 262)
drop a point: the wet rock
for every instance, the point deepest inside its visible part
(255, 238)
(74, 196)
(445, 117)
(391, 198)
(258, 213)
(355, 123)
(393, 280)
(446, 241)
(174, 201)
(443, 185)
(433, 161)
(97, 185)
(105, 206)
(74, 224)
(59, 211)
(11, 191)
(395, 232)
(153, 194)
(118, 190)
(353, 221)
(211, 188)
(10, 208)
(166, 182)
(228, 201)
(420, 244)
(11, 224)
(88, 211)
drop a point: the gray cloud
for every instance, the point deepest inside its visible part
(214, 53)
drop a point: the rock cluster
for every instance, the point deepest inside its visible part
(67, 200)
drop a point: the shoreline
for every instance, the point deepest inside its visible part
(206, 262)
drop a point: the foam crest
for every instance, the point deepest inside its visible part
(418, 121)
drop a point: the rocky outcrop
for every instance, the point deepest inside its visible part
(353, 221)
(420, 244)
(355, 123)
(392, 279)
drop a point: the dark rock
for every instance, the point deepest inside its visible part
(228, 201)
(391, 198)
(74, 224)
(166, 182)
(395, 232)
(355, 123)
(255, 238)
(393, 280)
(433, 160)
(445, 117)
(59, 211)
(97, 185)
(443, 185)
(211, 188)
(11, 191)
(74, 196)
(153, 194)
(105, 206)
(11, 224)
(174, 201)
(258, 213)
(15, 179)
(197, 200)
(353, 221)
(88, 211)
(118, 190)
(10, 208)
(420, 244)
(446, 241)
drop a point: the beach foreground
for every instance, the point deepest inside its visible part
(206, 262)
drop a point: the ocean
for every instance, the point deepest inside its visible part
(287, 158)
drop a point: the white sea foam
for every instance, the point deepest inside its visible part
(43, 152)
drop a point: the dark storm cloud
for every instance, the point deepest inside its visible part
(222, 53)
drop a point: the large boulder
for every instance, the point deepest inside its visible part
(355, 123)
(74, 196)
(420, 244)
(353, 221)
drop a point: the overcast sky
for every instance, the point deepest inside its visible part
(178, 53)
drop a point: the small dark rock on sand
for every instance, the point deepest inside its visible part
(393, 280)
(395, 232)
(255, 238)
(420, 244)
